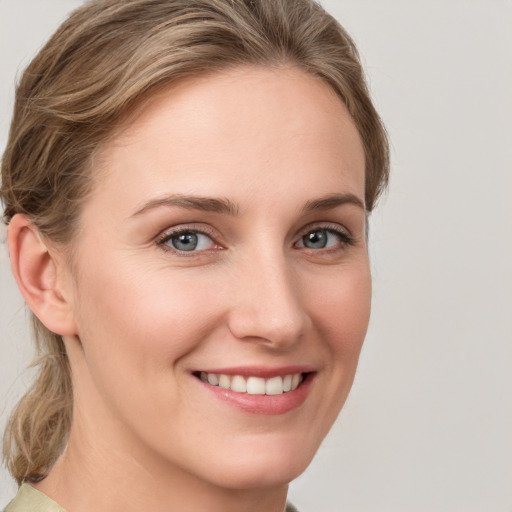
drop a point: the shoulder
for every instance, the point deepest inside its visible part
(29, 499)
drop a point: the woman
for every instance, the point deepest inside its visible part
(186, 187)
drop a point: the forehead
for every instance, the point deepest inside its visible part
(240, 125)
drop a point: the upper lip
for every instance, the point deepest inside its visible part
(260, 371)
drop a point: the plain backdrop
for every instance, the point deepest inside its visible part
(428, 425)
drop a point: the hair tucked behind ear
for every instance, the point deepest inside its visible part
(97, 67)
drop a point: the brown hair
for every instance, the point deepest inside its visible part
(95, 68)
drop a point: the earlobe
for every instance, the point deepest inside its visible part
(35, 269)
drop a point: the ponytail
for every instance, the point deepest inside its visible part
(38, 428)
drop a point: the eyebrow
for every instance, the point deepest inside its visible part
(332, 201)
(205, 204)
(225, 206)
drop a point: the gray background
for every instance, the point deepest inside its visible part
(428, 425)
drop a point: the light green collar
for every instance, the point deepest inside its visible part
(30, 499)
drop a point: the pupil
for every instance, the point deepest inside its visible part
(316, 240)
(185, 242)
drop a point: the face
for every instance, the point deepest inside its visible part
(221, 278)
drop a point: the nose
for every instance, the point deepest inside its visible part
(267, 306)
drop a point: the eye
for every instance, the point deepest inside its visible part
(188, 241)
(324, 238)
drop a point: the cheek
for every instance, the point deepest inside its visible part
(140, 320)
(136, 327)
(342, 321)
(340, 310)
(343, 313)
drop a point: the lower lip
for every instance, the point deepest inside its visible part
(263, 404)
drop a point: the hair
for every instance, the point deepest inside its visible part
(103, 60)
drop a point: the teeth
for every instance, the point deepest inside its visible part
(224, 381)
(254, 385)
(213, 379)
(274, 386)
(238, 384)
(287, 383)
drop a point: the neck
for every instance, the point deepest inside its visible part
(129, 481)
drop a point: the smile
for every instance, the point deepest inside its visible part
(259, 390)
(253, 385)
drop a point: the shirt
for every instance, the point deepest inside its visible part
(30, 499)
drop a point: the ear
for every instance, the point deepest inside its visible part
(40, 276)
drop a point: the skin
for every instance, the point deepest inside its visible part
(138, 317)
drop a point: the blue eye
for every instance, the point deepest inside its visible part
(188, 241)
(323, 238)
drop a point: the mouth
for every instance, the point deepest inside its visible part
(257, 390)
(252, 384)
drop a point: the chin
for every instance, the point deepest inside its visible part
(264, 465)
(251, 476)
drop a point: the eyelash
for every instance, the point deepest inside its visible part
(346, 239)
(167, 236)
